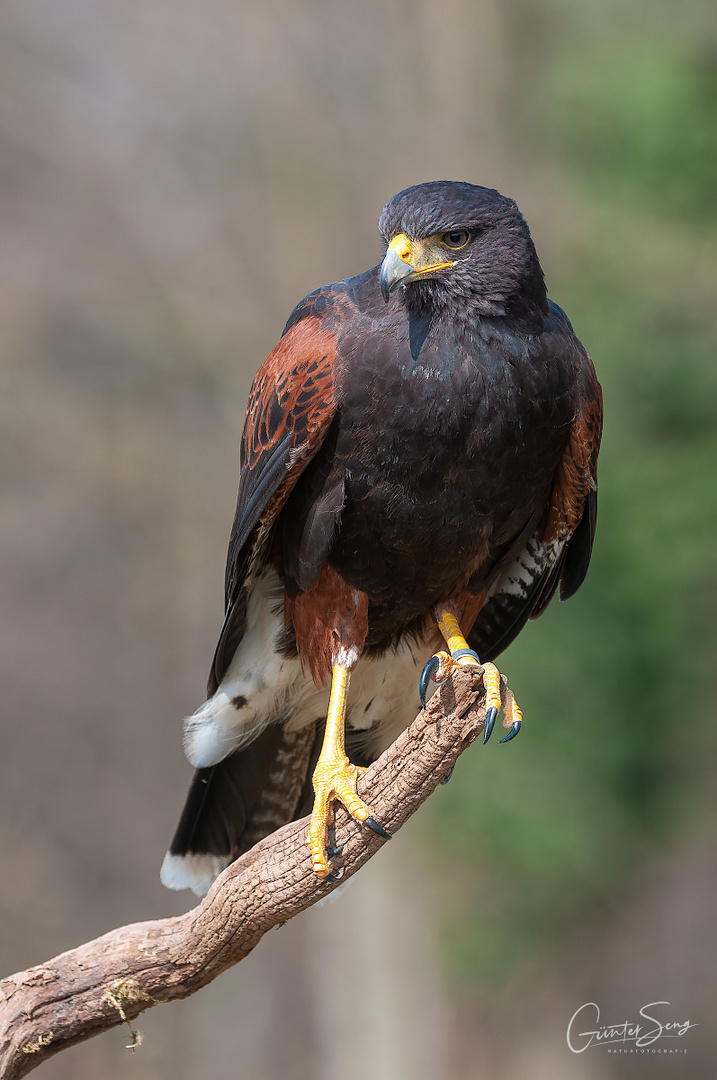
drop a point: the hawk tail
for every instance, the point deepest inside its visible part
(232, 805)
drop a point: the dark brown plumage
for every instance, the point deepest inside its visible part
(439, 448)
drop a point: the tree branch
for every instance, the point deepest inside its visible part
(112, 979)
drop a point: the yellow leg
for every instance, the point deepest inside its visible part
(335, 777)
(457, 644)
(439, 666)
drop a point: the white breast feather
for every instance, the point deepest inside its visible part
(383, 694)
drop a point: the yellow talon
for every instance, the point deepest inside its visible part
(491, 681)
(513, 714)
(496, 693)
(335, 777)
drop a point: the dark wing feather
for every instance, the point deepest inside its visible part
(558, 551)
(291, 406)
(579, 549)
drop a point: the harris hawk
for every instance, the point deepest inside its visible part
(419, 455)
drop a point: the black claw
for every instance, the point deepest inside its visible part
(332, 876)
(378, 829)
(431, 667)
(489, 722)
(331, 851)
(513, 731)
(448, 775)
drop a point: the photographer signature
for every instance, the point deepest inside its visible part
(641, 1035)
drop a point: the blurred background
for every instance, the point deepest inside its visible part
(174, 177)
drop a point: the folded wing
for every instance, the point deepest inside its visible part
(291, 406)
(557, 553)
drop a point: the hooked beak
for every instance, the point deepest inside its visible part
(396, 265)
(405, 261)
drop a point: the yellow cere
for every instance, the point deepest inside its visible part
(402, 247)
(413, 251)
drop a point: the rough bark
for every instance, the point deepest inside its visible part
(112, 979)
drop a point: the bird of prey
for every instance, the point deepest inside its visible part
(418, 463)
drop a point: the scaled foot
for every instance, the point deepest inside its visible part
(335, 779)
(442, 664)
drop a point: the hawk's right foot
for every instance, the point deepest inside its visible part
(335, 778)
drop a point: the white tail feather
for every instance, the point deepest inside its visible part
(195, 872)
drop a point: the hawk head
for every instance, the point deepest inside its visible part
(460, 246)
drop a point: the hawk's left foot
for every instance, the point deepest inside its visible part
(440, 666)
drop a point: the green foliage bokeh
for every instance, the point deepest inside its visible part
(618, 686)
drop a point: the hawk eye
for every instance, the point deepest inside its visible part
(456, 239)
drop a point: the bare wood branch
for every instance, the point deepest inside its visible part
(112, 979)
